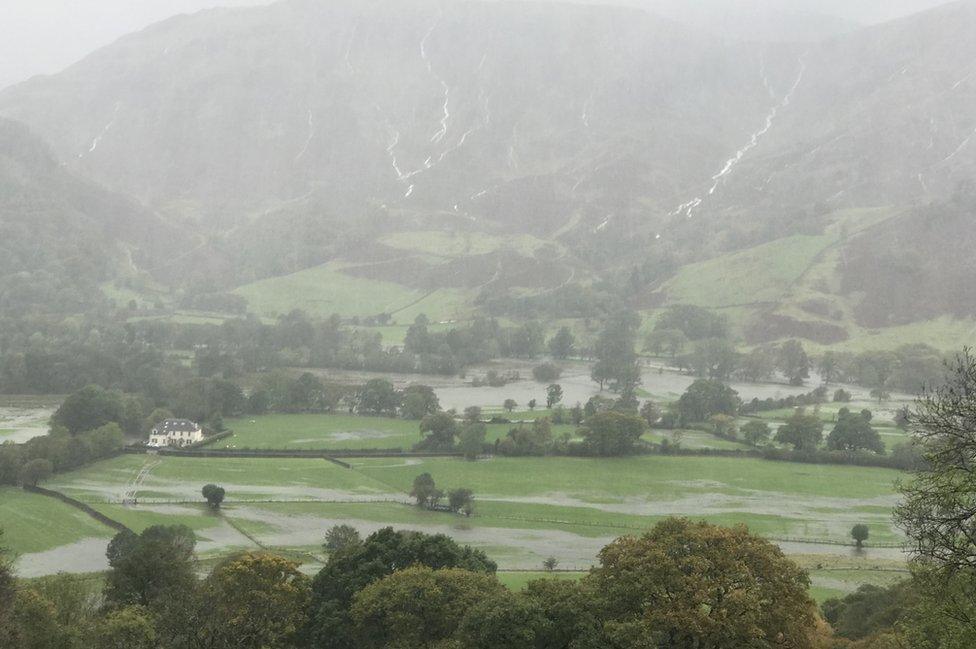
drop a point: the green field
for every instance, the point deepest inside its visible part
(336, 432)
(34, 523)
(526, 509)
(324, 290)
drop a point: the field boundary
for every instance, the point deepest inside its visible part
(77, 504)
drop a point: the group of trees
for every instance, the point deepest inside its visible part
(428, 496)
(36, 459)
(683, 584)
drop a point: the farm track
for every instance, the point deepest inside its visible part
(128, 496)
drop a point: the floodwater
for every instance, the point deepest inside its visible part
(661, 382)
(86, 555)
(22, 419)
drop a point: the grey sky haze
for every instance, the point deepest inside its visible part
(45, 36)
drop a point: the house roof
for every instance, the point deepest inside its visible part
(176, 426)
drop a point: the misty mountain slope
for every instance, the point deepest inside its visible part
(498, 109)
(296, 136)
(885, 116)
(61, 236)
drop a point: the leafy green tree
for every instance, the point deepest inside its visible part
(793, 362)
(424, 490)
(860, 534)
(439, 430)
(419, 401)
(802, 431)
(258, 601)
(378, 397)
(713, 358)
(383, 552)
(31, 623)
(554, 394)
(214, 495)
(130, 627)
(724, 426)
(842, 396)
(687, 584)
(546, 373)
(472, 414)
(617, 362)
(571, 610)
(756, 432)
(853, 432)
(510, 405)
(340, 537)
(156, 563)
(502, 620)
(650, 413)
(829, 367)
(695, 322)
(532, 404)
(670, 342)
(527, 340)
(869, 610)
(460, 500)
(418, 607)
(471, 442)
(705, 398)
(36, 471)
(550, 564)
(562, 344)
(612, 433)
(88, 409)
(937, 512)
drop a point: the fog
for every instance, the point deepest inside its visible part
(45, 36)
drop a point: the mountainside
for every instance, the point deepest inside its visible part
(311, 135)
(61, 236)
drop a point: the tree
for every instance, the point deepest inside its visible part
(382, 553)
(146, 567)
(257, 600)
(802, 431)
(842, 396)
(612, 433)
(378, 397)
(853, 432)
(687, 584)
(666, 341)
(130, 627)
(419, 401)
(471, 442)
(723, 426)
(860, 534)
(439, 430)
(937, 512)
(88, 409)
(756, 432)
(829, 367)
(615, 352)
(424, 490)
(758, 365)
(554, 394)
(214, 495)
(561, 345)
(695, 322)
(35, 471)
(510, 405)
(705, 398)
(793, 362)
(546, 373)
(503, 620)
(550, 564)
(418, 606)
(340, 537)
(460, 500)
(713, 358)
(532, 404)
(472, 414)
(650, 413)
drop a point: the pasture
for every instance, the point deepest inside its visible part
(526, 509)
(336, 432)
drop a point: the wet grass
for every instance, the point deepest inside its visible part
(34, 523)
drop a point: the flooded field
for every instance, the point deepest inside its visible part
(26, 417)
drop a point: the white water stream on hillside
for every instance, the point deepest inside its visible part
(689, 207)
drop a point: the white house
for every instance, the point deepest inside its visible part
(175, 432)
